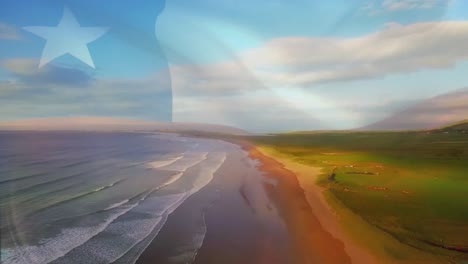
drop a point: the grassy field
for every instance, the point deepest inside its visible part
(411, 185)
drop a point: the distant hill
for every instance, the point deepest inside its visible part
(433, 113)
(114, 124)
(457, 127)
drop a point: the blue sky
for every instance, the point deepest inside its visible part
(127, 59)
(260, 65)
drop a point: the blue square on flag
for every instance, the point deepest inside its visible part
(83, 58)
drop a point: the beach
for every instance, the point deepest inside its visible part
(92, 197)
(328, 219)
(158, 198)
(312, 242)
(241, 220)
(387, 203)
(254, 211)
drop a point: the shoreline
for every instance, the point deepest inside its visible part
(363, 243)
(233, 218)
(316, 237)
(326, 215)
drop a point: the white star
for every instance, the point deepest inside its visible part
(67, 38)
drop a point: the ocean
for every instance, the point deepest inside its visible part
(95, 197)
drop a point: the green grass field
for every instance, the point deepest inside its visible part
(411, 185)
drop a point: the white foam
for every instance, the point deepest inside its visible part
(121, 236)
(112, 206)
(162, 163)
(130, 232)
(106, 186)
(189, 160)
(173, 179)
(56, 247)
(207, 172)
(206, 175)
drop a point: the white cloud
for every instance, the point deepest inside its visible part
(381, 7)
(396, 5)
(305, 61)
(54, 90)
(254, 91)
(9, 32)
(396, 49)
(230, 91)
(23, 66)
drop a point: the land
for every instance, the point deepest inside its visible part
(395, 197)
(242, 221)
(254, 211)
(328, 197)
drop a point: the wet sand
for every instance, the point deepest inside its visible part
(251, 213)
(241, 222)
(311, 242)
(326, 215)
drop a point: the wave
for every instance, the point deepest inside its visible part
(142, 224)
(189, 161)
(124, 234)
(107, 186)
(133, 253)
(112, 206)
(207, 175)
(132, 227)
(197, 241)
(57, 247)
(138, 197)
(51, 249)
(207, 172)
(163, 163)
(24, 177)
(68, 165)
(171, 180)
(133, 199)
(48, 173)
(42, 189)
(81, 195)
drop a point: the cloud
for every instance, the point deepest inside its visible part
(224, 79)
(282, 81)
(275, 86)
(394, 50)
(396, 5)
(379, 7)
(9, 32)
(431, 113)
(306, 61)
(27, 71)
(253, 113)
(57, 91)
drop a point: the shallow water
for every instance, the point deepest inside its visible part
(69, 197)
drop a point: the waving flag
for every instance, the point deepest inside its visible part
(83, 58)
(322, 71)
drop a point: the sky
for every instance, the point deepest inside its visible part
(258, 65)
(126, 77)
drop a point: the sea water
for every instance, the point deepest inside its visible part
(94, 197)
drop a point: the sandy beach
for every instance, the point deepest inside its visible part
(254, 211)
(240, 221)
(312, 242)
(327, 217)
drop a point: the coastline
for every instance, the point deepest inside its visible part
(233, 219)
(312, 238)
(293, 220)
(320, 206)
(363, 243)
(254, 211)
